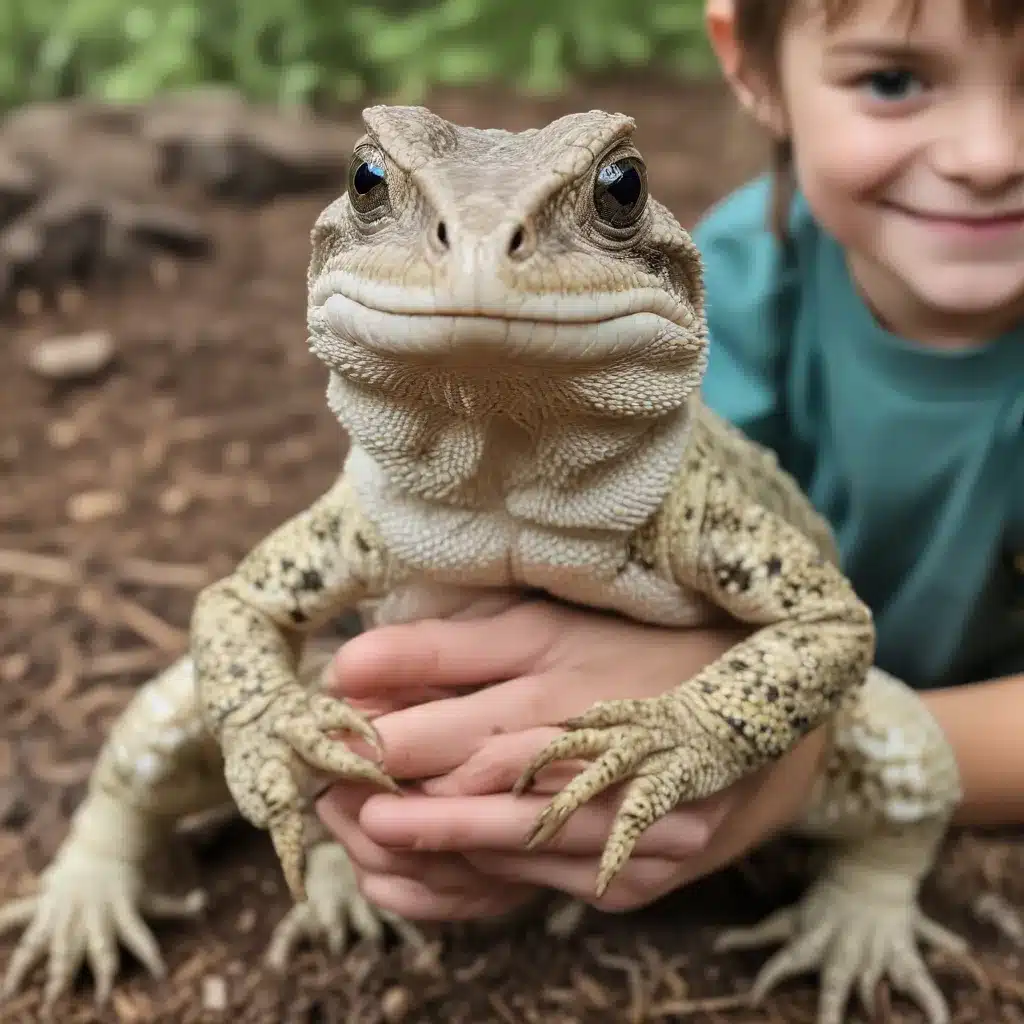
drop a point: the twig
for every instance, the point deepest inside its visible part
(119, 663)
(151, 627)
(43, 568)
(162, 574)
(501, 1008)
(688, 1007)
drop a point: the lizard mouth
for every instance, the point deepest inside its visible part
(487, 324)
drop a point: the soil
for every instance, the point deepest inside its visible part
(181, 231)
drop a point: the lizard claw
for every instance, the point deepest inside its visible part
(88, 903)
(856, 936)
(265, 758)
(654, 742)
(333, 905)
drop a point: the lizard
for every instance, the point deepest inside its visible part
(515, 335)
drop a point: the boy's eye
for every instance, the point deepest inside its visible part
(892, 84)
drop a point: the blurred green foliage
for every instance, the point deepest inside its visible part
(323, 51)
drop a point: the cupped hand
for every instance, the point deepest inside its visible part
(490, 691)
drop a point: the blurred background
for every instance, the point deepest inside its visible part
(321, 52)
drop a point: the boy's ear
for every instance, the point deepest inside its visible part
(751, 86)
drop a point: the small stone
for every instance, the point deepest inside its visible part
(70, 300)
(28, 302)
(246, 921)
(165, 273)
(90, 506)
(394, 1004)
(63, 434)
(174, 500)
(73, 357)
(237, 454)
(214, 993)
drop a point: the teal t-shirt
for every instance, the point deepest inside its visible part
(915, 456)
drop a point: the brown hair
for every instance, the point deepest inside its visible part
(759, 25)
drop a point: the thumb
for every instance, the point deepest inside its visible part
(443, 653)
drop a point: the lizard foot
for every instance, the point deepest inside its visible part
(855, 935)
(260, 767)
(657, 743)
(87, 904)
(332, 905)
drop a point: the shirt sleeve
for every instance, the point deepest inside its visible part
(749, 299)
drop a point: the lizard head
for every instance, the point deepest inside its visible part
(479, 253)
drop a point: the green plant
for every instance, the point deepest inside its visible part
(323, 51)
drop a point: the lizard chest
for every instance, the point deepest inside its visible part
(457, 553)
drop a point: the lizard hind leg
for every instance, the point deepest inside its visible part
(884, 798)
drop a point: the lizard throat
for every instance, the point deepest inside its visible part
(522, 418)
(573, 470)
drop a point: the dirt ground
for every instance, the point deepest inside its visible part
(128, 484)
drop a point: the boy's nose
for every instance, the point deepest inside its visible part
(984, 149)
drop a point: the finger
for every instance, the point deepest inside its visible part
(640, 882)
(286, 937)
(445, 871)
(135, 934)
(779, 926)
(411, 899)
(500, 823)
(444, 653)
(66, 955)
(166, 907)
(27, 953)
(839, 975)
(911, 977)
(498, 764)
(940, 936)
(331, 916)
(17, 913)
(329, 756)
(407, 932)
(366, 921)
(800, 956)
(101, 951)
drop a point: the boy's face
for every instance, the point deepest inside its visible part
(909, 145)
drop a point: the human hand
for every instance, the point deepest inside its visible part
(437, 853)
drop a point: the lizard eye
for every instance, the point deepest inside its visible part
(620, 192)
(367, 183)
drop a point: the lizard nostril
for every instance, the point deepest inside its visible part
(516, 241)
(442, 233)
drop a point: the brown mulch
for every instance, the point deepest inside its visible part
(182, 231)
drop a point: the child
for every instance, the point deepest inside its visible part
(866, 309)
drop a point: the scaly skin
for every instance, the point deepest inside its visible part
(158, 766)
(515, 336)
(888, 788)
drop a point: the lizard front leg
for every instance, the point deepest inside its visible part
(246, 636)
(158, 765)
(747, 708)
(888, 787)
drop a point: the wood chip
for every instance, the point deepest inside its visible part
(689, 1007)
(394, 1004)
(72, 358)
(44, 568)
(151, 627)
(214, 995)
(163, 574)
(91, 506)
(996, 910)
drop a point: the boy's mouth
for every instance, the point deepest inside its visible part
(967, 223)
